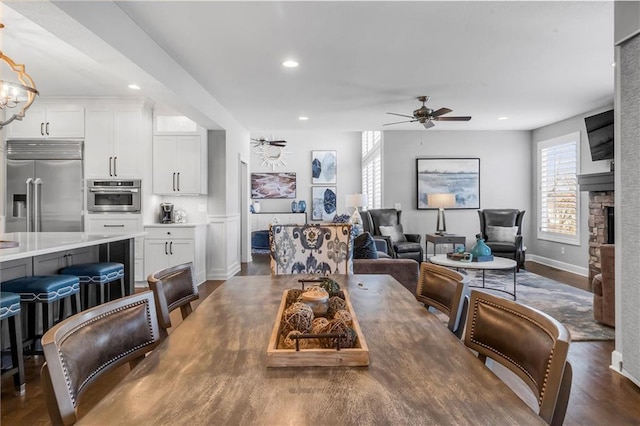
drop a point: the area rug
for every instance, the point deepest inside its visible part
(569, 305)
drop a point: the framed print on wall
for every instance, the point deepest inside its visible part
(458, 176)
(324, 203)
(273, 185)
(324, 167)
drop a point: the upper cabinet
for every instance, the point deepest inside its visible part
(180, 164)
(49, 121)
(113, 145)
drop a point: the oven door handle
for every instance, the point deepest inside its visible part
(114, 190)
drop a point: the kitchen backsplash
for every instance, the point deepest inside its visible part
(191, 205)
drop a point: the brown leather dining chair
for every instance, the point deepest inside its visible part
(528, 342)
(443, 289)
(81, 349)
(173, 288)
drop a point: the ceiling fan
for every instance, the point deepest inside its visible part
(263, 142)
(426, 116)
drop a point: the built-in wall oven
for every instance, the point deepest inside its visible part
(113, 196)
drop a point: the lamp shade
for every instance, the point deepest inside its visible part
(356, 200)
(441, 200)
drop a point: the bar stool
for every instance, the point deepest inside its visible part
(44, 290)
(10, 311)
(100, 274)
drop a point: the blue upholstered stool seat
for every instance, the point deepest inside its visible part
(43, 288)
(10, 310)
(101, 273)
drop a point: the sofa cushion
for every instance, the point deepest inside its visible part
(501, 247)
(364, 247)
(394, 232)
(502, 233)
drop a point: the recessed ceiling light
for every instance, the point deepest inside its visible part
(503, 118)
(134, 87)
(303, 118)
(290, 64)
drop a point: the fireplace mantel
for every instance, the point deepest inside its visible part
(596, 182)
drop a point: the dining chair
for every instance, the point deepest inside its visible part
(526, 341)
(85, 346)
(173, 288)
(443, 289)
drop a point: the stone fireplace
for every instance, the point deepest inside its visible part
(601, 214)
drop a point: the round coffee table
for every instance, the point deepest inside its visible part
(498, 263)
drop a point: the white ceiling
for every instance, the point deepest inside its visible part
(535, 62)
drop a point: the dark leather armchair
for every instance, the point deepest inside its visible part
(495, 227)
(408, 249)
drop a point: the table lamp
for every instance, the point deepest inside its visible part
(356, 200)
(440, 201)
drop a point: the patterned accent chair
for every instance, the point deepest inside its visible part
(311, 249)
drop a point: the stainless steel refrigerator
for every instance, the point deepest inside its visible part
(44, 186)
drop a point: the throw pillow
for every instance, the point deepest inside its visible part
(502, 233)
(364, 247)
(394, 232)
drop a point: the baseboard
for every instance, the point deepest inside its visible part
(578, 270)
(617, 366)
(224, 275)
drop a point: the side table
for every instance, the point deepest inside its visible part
(436, 239)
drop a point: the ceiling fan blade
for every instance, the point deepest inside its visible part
(401, 115)
(465, 118)
(398, 122)
(440, 112)
(278, 144)
(428, 124)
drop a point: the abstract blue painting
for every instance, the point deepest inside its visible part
(458, 176)
(324, 203)
(324, 167)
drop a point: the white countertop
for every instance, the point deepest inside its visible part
(173, 225)
(38, 243)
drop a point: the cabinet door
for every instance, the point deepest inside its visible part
(181, 251)
(164, 153)
(31, 125)
(188, 164)
(127, 143)
(156, 256)
(65, 121)
(98, 143)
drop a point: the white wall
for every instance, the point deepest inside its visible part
(575, 258)
(505, 175)
(300, 144)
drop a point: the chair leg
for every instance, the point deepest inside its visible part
(101, 300)
(47, 317)
(122, 289)
(76, 305)
(15, 337)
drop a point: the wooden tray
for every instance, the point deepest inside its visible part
(357, 356)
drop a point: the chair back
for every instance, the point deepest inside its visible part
(83, 347)
(374, 218)
(173, 288)
(500, 217)
(526, 341)
(442, 289)
(311, 249)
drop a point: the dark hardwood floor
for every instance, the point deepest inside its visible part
(598, 395)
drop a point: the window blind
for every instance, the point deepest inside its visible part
(372, 168)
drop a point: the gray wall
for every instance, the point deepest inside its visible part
(505, 175)
(575, 258)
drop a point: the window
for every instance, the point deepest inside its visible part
(372, 168)
(558, 189)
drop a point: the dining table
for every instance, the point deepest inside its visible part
(212, 368)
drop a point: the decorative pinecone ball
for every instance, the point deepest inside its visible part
(290, 343)
(344, 316)
(292, 296)
(318, 324)
(296, 317)
(329, 285)
(335, 304)
(339, 327)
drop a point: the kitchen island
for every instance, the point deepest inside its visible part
(43, 253)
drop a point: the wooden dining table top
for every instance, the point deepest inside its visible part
(212, 368)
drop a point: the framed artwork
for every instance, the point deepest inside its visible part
(324, 167)
(273, 185)
(457, 176)
(324, 203)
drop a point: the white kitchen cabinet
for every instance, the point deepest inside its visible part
(113, 145)
(179, 164)
(52, 121)
(170, 245)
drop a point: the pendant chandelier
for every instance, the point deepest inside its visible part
(15, 96)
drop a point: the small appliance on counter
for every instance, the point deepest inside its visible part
(166, 213)
(180, 215)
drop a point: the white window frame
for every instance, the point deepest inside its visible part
(554, 236)
(372, 142)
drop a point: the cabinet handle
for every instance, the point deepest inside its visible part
(113, 226)
(178, 181)
(42, 129)
(171, 247)
(174, 181)
(47, 129)
(110, 158)
(115, 166)
(165, 248)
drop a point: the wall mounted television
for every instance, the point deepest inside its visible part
(600, 135)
